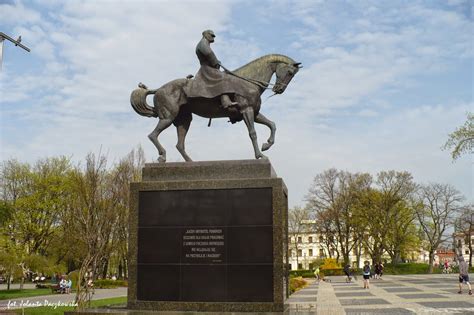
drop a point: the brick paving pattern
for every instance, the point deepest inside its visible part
(414, 294)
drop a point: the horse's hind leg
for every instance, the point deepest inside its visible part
(153, 136)
(270, 124)
(182, 123)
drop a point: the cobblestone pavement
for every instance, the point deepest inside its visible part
(407, 294)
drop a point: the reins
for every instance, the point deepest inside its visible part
(262, 84)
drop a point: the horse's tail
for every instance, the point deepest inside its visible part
(138, 101)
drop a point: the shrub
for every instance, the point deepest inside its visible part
(302, 273)
(297, 284)
(109, 284)
(408, 268)
(330, 263)
(332, 272)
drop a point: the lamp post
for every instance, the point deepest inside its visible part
(17, 42)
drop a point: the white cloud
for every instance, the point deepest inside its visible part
(335, 113)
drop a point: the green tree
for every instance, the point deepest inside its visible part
(461, 140)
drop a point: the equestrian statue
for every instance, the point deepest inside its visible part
(215, 94)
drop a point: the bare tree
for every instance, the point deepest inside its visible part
(465, 226)
(335, 192)
(126, 171)
(297, 226)
(91, 220)
(326, 231)
(438, 204)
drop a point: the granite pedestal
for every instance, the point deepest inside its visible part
(208, 237)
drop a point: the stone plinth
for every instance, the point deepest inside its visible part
(209, 237)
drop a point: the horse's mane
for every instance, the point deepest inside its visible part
(261, 62)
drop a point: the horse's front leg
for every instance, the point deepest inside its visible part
(249, 119)
(270, 124)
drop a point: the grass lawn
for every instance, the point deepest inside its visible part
(16, 293)
(60, 310)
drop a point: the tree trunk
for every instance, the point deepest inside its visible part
(120, 270)
(431, 261)
(22, 282)
(470, 247)
(359, 250)
(125, 268)
(397, 257)
(9, 281)
(105, 268)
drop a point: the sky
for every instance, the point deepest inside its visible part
(383, 83)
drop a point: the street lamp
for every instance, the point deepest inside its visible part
(17, 42)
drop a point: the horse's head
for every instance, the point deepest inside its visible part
(284, 73)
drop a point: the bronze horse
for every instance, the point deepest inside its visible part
(172, 106)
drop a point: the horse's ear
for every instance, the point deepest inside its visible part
(297, 64)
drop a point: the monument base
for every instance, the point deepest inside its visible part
(123, 311)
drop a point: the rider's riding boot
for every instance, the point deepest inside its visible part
(226, 102)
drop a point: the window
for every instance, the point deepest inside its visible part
(321, 252)
(300, 266)
(310, 240)
(300, 253)
(467, 252)
(311, 266)
(299, 239)
(310, 253)
(292, 254)
(321, 239)
(459, 244)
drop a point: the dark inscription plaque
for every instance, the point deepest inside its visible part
(205, 245)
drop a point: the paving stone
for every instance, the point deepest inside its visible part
(349, 294)
(422, 282)
(401, 290)
(363, 301)
(447, 304)
(454, 291)
(438, 285)
(387, 284)
(388, 311)
(303, 299)
(306, 292)
(420, 296)
(302, 312)
(338, 289)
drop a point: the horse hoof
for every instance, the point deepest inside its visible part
(266, 146)
(161, 159)
(261, 156)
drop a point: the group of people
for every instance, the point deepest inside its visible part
(65, 286)
(367, 272)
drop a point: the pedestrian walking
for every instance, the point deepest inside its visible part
(463, 275)
(366, 274)
(347, 271)
(316, 274)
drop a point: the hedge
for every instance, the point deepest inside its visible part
(389, 269)
(109, 284)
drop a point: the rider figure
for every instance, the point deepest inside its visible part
(207, 59)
